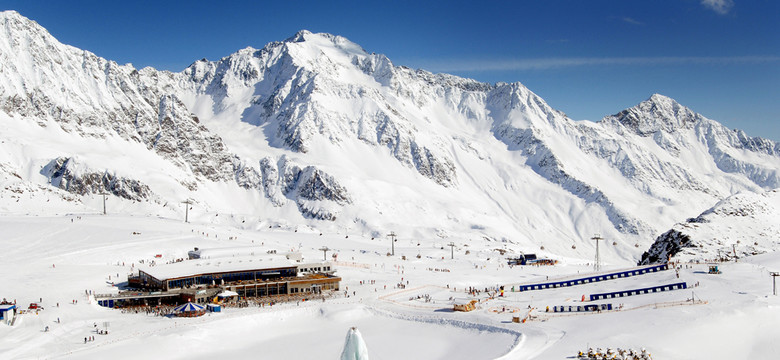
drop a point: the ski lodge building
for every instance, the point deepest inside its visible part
(200, 280)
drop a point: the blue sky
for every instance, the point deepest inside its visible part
(587, 58)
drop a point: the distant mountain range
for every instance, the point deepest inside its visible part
(315, 132)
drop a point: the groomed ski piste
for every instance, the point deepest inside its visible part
(55, 259)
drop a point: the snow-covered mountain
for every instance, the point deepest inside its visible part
(315, 131)
(741, 225)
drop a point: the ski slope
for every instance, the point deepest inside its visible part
(57, 258)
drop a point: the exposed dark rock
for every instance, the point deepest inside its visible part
(665, 246)
(62, 173)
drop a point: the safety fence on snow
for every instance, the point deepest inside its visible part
(579, 308)
(650, 290)
(594, 278)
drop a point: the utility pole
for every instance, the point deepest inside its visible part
(774, 281)
(324, 250)
(392, 236)
(104, 194)
(187, 210)
(452, 249)
(597, 264)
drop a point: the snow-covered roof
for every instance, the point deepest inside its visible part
(230, 251)
(227, 293)
(221, 265)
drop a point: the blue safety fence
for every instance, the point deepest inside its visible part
(650, 290)
(106, 303)
(595, 278)
(580, 308)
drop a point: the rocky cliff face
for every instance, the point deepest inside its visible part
(68, 175)
(317, 194)
(666, 246)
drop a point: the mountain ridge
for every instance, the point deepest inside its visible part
(315, 128)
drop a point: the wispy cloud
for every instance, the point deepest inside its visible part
(719, 6)
(553, 63)
(631, 21)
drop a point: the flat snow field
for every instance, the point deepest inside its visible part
(57, 258)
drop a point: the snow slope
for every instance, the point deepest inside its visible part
(56, 260)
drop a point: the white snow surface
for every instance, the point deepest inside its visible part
(203, 266)
(56, 260)
(313, 142)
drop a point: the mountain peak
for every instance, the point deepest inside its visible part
(657, 113)
(326, 40)
(308, 36)
(17, 21)
(12, 14)
(661, 99)
(9, 13)
(300, 36)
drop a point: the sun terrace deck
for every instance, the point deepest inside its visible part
(280, 285)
